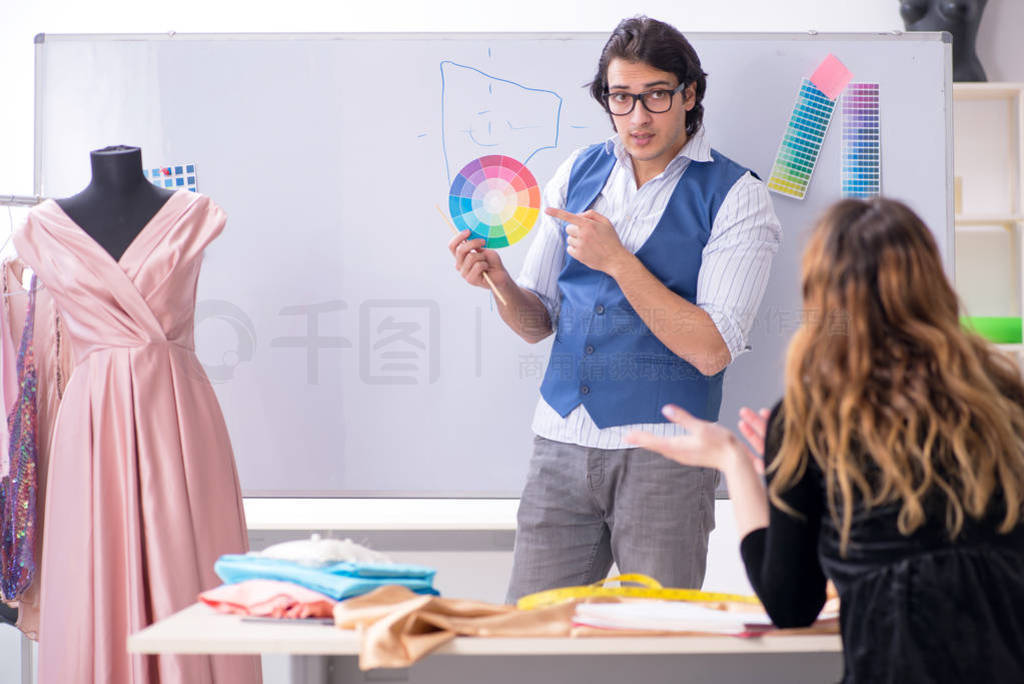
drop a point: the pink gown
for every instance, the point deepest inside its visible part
(142, 492)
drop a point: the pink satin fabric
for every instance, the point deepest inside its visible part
(268, 598)
(142, 494)
(54, 364)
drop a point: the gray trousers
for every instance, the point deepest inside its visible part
(583, 508)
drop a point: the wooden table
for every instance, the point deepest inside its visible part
(322, 653)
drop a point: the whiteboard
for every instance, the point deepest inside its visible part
(349, 357)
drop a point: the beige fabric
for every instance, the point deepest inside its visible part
(399, 627)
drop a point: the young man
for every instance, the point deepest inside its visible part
(649, 267)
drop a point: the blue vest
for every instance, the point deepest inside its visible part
(604, 355)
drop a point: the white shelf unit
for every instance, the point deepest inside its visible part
(988, 133)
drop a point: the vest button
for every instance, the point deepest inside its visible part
(585, 389)
(589, 349)
(599, 309)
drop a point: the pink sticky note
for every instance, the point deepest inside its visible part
(831, 77)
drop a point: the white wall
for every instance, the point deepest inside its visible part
(999, 40)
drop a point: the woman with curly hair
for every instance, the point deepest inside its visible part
(894, 461)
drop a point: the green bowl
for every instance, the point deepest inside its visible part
(997, 329)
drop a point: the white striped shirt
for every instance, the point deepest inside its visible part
(731, 282)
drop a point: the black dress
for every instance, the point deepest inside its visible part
(913, 609)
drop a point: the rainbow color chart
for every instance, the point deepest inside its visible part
(496, 198)
(798, 153)
(861, 171)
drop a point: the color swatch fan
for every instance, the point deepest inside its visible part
(808, 123)
(862, 162)
(173, 177)
(496, 198)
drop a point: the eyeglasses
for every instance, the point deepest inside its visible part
(655, 101)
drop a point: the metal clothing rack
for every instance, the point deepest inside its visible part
(17, 201)
(20, 200)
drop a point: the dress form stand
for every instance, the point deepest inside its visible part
(960, 18)
(118, 202)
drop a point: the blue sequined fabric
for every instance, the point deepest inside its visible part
(18, 488)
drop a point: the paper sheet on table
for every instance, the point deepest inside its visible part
(675, 616)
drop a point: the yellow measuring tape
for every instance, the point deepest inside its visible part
(650, 588)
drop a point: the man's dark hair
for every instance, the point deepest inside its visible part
(657, 44)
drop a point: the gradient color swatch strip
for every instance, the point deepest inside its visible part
(495, 198)
(801, 143)
(862, 165)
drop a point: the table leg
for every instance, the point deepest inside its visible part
(311, 669)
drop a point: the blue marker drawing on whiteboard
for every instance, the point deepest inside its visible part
(481, 143)
(482, 113)
(519, 128)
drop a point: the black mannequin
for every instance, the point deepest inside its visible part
(961, 18)
(118, 202)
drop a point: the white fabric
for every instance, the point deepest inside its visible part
(317, 552)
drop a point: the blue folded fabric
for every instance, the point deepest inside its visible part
(337, 580)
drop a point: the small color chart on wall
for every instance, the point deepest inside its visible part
(496, 198)
(175, 177)
(862, 167)
(808, 123)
